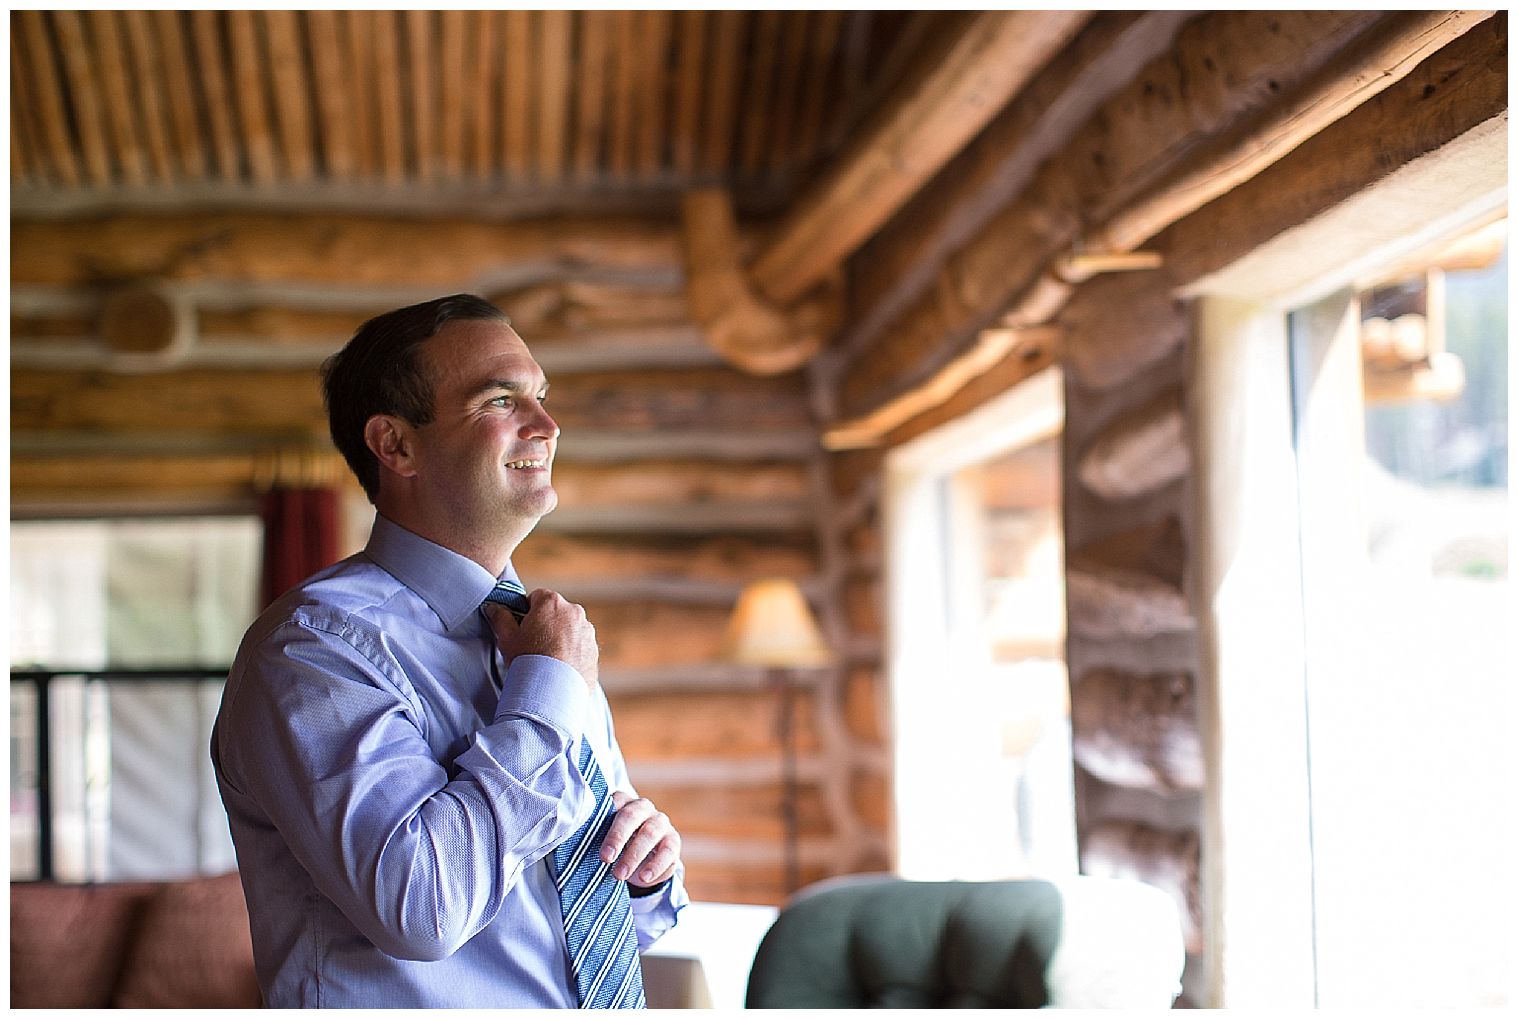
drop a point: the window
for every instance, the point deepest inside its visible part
(973, 515)
(1356, 714)
(1403, 486)
(132, 793)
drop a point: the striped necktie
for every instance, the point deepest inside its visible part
(598, 924)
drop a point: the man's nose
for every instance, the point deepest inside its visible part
(540, 426)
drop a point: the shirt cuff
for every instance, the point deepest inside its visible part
(545, 689)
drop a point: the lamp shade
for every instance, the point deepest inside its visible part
(772, 625)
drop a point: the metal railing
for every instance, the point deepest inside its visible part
(42, 680)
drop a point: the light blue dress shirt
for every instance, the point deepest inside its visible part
(392, 806)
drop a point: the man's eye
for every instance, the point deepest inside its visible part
(500, 401)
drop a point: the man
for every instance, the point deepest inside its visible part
(404, 763)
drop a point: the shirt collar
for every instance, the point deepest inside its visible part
(453, 586)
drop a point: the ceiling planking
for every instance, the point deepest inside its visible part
(483, 111)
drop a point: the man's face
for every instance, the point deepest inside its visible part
(484, 461)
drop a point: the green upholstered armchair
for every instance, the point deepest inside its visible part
(884, 942)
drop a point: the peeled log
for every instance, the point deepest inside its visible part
(1139, 452)
(738, 322)
(1109, 603)
(1170, 861)
(1115, 326)
(1138, 731)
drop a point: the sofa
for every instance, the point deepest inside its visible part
(877, 941)
(164, 944)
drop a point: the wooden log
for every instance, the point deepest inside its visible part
(1387, 55)
(690, 81)
(554, 90)
(482, 97)
(898, 264)
(1157, 550)
(124, 130)
(863, 606)
(678, 483)
(748, 812)
(1116, 326)
(1013, 259)
(870, 796)
(251, 108)
(206, 26)
(287, 69)
(1171, 861)
(863, 703)
(1138, 731)
(653, 34)
(674, 726)
(1143, 450)
(358, 37)
(89, 108)
(556, 559)
(590, 92)
(1454, 91)
(454, 99)
(738, 323)
(421, 96)
(761, 78)
(1110, 604)
(387, 58)
(43, 81)
(673, 484)
(273, 401)
(722, 91)
(189, 143)
(333, 111)
(344, 250)
(516, 152)
(984, 64)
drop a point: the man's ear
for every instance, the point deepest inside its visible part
(390, 439)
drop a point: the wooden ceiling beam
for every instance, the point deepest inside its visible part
(358, 38)
(1014, 272)
(484, 72)
(108, 55)
(287, 67)
(386, 58)
(422, 97)
(330, 67)
(902, 262)
(35, 69)
(516, 136)
(452, 112)
(555, 49)
(189, 143)
(147, 64)
(206, 31)
(653, 92)
(767, 26)
(249, 72)
(721, 91)
(89, 113)
(592, 76)
(691, 78)
(985, 64)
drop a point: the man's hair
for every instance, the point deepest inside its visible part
(380, 371)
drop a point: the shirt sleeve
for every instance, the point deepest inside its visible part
(323, 733)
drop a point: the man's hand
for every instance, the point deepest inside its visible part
(642, 846)
(553, 627)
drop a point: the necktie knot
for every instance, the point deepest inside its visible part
(510, 594)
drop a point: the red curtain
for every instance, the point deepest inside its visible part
(300, 536)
